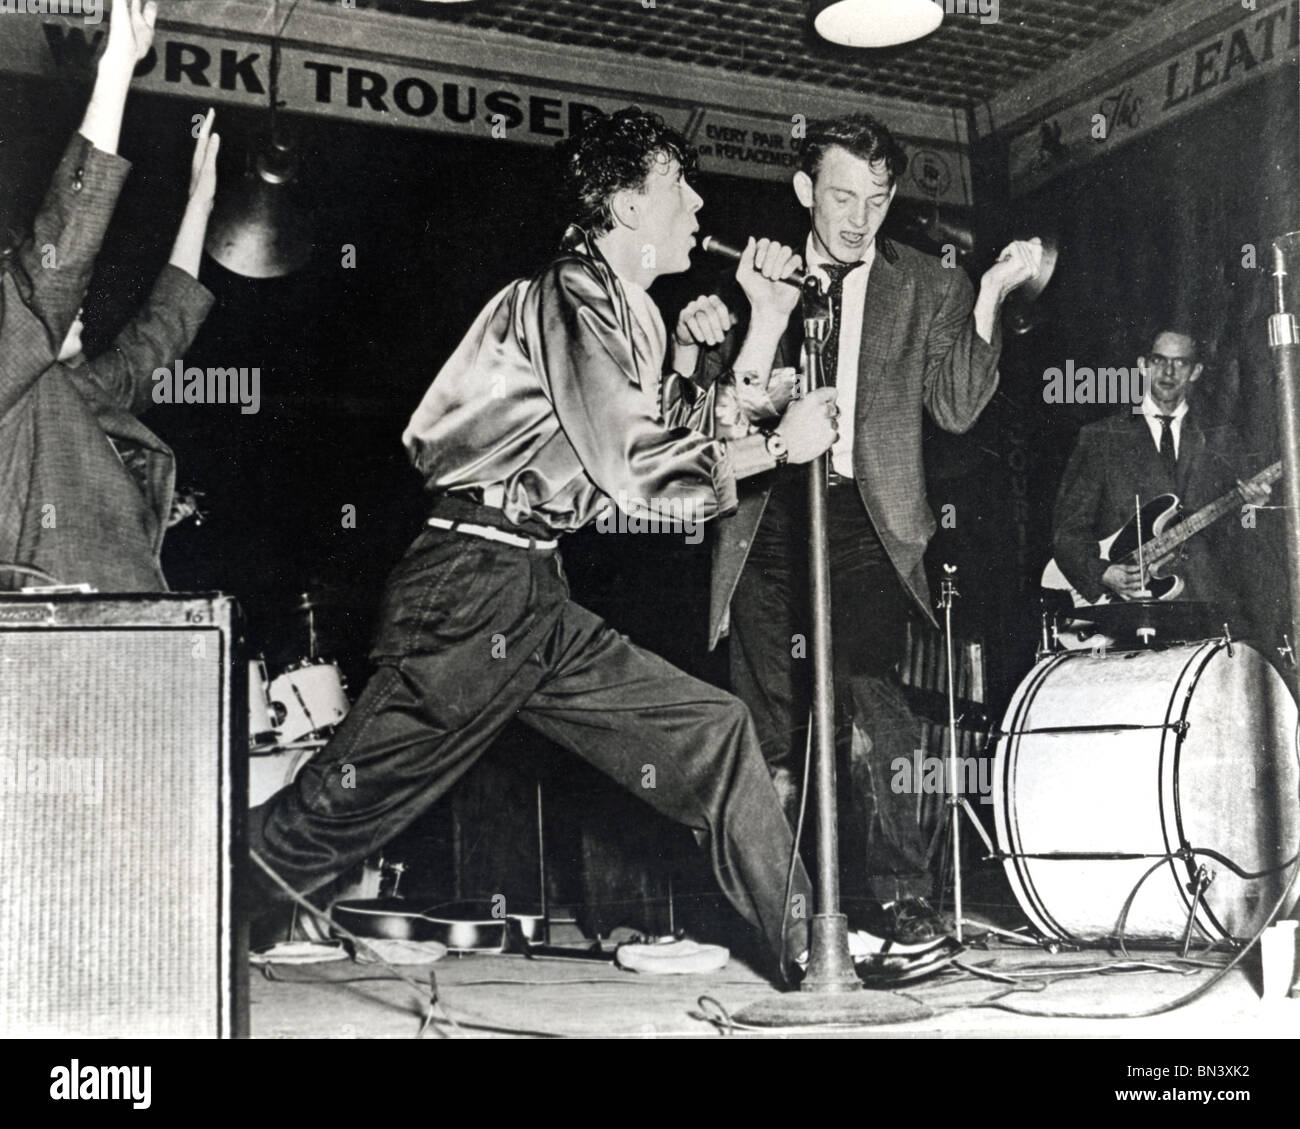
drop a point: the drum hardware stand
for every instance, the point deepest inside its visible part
(1199, 885)
(956, 800)
(543, 901)
(1046, 638)
(1227, 639)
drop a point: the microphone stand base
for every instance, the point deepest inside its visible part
(808, 1009)
(830, 967)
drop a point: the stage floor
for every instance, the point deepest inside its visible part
(494, 996)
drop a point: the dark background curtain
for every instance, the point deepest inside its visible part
(1154, 236)
(1151, 233)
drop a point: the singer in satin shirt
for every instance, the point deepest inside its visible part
(552, 407)
(578, 345)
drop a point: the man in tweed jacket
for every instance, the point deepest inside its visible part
(85, 488)
(911, 338)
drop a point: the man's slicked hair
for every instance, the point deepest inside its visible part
(611, 153)
(1156, 329)
(859, 134)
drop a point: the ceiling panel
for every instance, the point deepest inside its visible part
(965, 62)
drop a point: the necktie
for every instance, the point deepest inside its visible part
(1168, 455)
(831, 350)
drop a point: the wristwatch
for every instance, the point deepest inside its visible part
(775, 446)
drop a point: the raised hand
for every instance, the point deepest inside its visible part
(130, 34)
(1019, 262)
(762, 265)
(704, 321)
(203, 166)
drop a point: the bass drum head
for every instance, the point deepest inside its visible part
(1144, 754)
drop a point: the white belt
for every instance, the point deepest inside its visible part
(490, 534)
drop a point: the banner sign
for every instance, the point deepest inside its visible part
(214, 67)
(1265, 38)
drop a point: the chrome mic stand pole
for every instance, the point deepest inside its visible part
(1284, 341)
(830, 966)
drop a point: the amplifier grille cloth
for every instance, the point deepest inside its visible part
(110, 779)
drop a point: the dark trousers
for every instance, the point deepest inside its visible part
(475, 633)
(771, 672)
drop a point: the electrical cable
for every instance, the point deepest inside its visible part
(432, 990)
(1160, 1009)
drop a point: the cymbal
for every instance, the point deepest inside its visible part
(317, 598)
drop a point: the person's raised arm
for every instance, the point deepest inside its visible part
(187, 251)
(130, 34)
(1016, 265)
(46, 281)
(164, 329)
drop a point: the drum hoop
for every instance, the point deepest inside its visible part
(1046, 921)
(1191, 864)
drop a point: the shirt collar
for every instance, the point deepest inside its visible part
(1152, 410)
(815, 258)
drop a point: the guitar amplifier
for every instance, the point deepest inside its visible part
(123, 776)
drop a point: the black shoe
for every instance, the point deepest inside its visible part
(913, 921)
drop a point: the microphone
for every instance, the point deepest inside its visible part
(715, 246)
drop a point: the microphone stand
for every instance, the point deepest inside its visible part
(829, 994)
(830, 966)
(1284, 341)
(957, 801)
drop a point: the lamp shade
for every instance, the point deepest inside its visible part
(258, 230)
(875, 23)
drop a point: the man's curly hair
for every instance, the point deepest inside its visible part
(867, 138)
(613, 152)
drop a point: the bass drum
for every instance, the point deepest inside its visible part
(1145, 753)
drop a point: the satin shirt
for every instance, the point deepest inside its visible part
(556, 400)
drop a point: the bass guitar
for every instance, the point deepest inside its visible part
(1158, 521)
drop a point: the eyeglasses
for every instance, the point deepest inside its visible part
(1180, 365)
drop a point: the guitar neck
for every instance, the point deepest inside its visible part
(1166, 543)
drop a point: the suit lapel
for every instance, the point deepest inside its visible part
(889, 294)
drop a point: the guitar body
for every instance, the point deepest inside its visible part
(464, 927)
(1157, 516)
(1164, 529)
(1121, 547)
